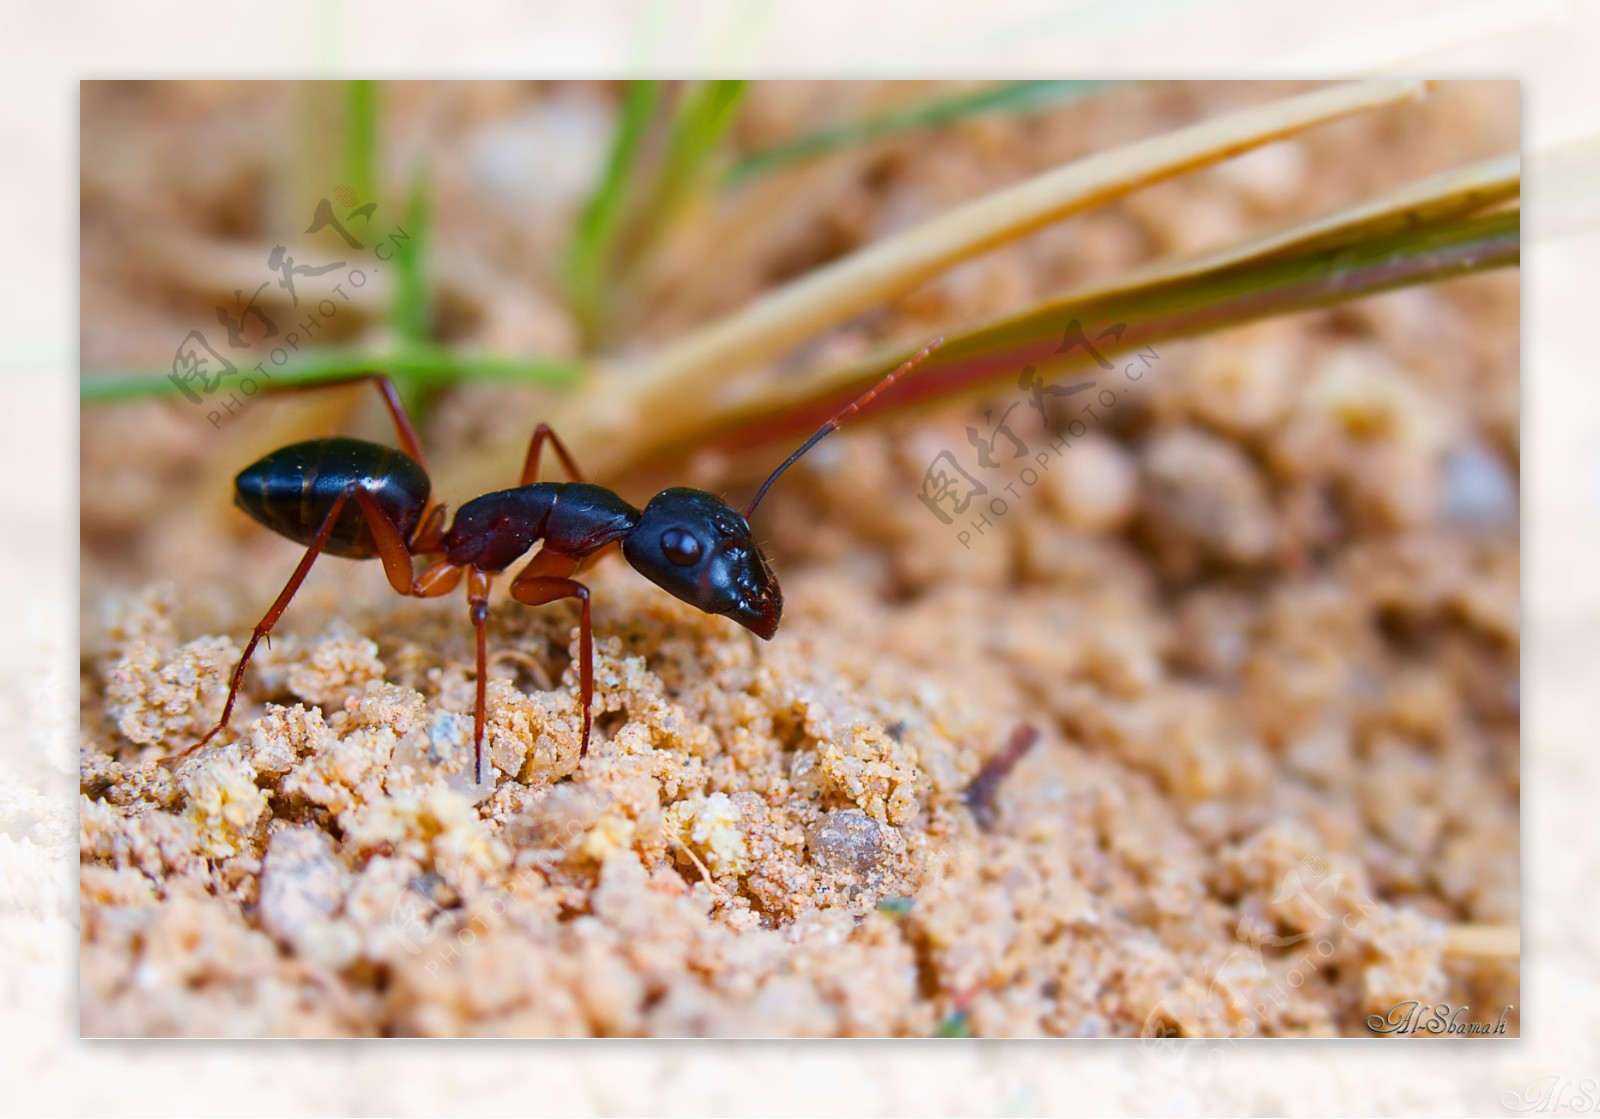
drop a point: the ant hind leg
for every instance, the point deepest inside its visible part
(268, 620)
(397, 566)
(391, 400)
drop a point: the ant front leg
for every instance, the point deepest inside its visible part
(478, 603)
(530, 466)
(545, 581)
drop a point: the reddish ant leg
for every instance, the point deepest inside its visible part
(396, 562)
(429, 537)
(391, 400)
(438, 579)
(268, 620)
(478, 601)
(392, 548)
(544, 581)
(409, 443)
(530, 466)
(427, 541)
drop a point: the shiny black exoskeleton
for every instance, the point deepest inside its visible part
(291, 490)
(690, 544)
(363, 500)
(694, 547)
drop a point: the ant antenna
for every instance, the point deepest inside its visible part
(849, 410)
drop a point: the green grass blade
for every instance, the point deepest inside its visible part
(698, 128)
(423, 365)
(589, 255)
(1002, 97)
(361, 138)
(1456, 193)
(412, 314)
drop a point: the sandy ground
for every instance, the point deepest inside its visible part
(1264, 617)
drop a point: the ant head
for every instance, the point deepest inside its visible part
(696, 548)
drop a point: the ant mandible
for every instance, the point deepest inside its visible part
(360, 500)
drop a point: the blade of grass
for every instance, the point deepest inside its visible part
(361, 138)
(675, 388)
(589, 256)
(1455, 193)
(419, 364)
(412, 313)
(1001, 97)
(1182, 305)
(698, 127)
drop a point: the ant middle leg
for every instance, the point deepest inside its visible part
(429, 536)
(530, 466)
(439, 578)
(545, 580)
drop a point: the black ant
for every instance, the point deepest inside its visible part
(361, 500)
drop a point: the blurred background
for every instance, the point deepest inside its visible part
(1276, 584)
(1546, 44)
(551, 234)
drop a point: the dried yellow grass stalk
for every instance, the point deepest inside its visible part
(1443, 225)
(667, 393)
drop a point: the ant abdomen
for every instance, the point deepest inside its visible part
(291, 491)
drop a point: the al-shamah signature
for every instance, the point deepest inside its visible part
(1551, 1093)
(1415, 1017)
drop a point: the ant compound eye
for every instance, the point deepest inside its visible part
(681, 547)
